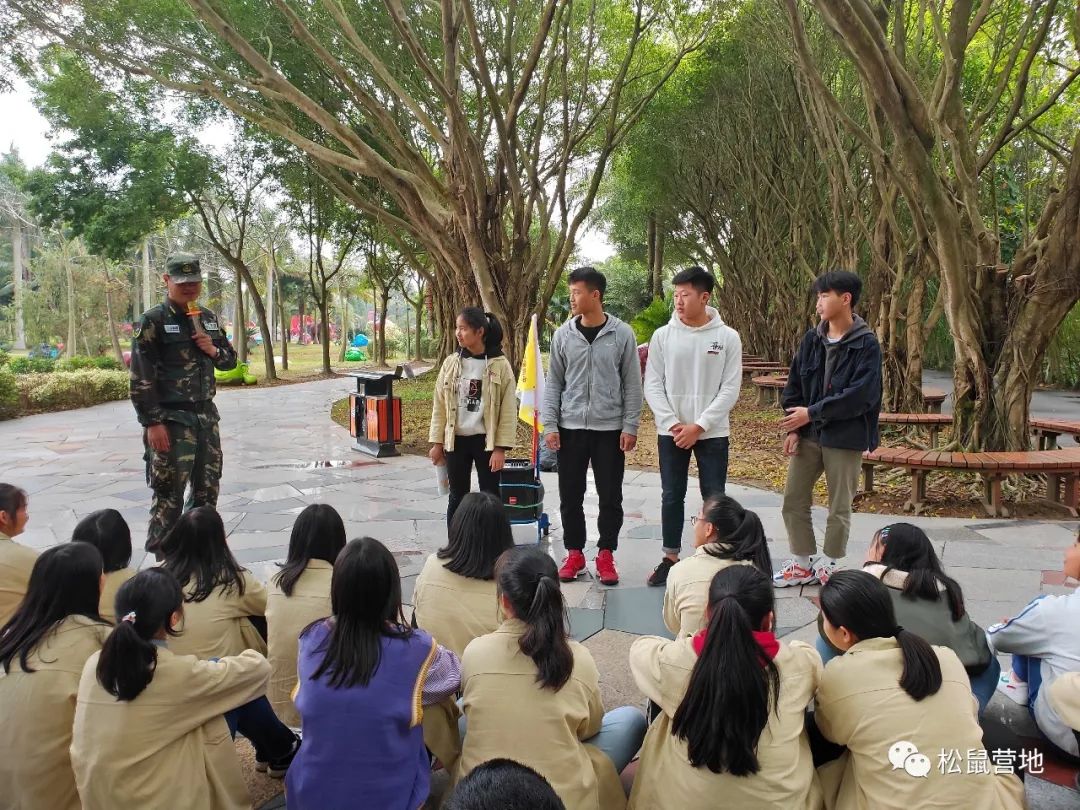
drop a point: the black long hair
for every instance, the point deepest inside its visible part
(739, 532)
(907, 548)
(144, 605)
(108, 532)
(65, 581)
(365, 596)
(479, 532)
(860, 602)
(476, 318)
(195, 549)
(317, 534)
(733, 683)
(12, 499)
(529, 579)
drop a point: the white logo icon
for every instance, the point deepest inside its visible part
(905, 755)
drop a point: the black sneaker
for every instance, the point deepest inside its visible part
(659, 575)
(276, 768)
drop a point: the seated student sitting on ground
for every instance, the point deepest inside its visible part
(928, 603)
(455, 592)
(1064, 697)
(1044, 638)
(533, 695)
(500, 784)
(108, 532)
(152, 729)
(734, 705)
(220, 597)
(16, 560)
(897, 703)
(364, 679)
(724, 534)
(298, 595)
(42, 652)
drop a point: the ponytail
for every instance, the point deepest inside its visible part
(144, 605)
(739, 531)
(860, 602)
(733, 683)
(476, 318)
(529, 580)
(906, 547)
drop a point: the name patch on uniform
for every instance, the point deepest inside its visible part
(212, 325)
(172, 328)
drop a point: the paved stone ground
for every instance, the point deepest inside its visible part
(283, 452)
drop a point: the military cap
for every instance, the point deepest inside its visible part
(183, 267)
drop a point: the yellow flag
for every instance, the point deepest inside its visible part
(530, 387)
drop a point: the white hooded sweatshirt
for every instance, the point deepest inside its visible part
(693, 375)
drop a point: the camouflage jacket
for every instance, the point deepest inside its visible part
(169, 373)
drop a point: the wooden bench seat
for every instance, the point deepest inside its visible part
(933, 422)
(1046, 431)
(769, 388)
(1061, 468)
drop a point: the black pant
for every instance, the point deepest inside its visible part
(468, 450)
(256, 720)
(577, 449)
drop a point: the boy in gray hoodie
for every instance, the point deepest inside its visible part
(591, 412)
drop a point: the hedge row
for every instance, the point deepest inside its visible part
(59, 391)
(44, 365)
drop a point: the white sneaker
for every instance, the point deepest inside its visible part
(791, 573)
(1014, 690)
(824, 568)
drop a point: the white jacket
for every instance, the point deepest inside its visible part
(1047, 630)
(693, 375)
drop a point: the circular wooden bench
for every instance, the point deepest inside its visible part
(933, 422)
(932, 399)
(1046, 431)
(769, 388)
(751, 370)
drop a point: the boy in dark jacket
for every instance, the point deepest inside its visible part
(832, 400)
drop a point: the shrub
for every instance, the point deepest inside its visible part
(80, 362)
(4, 357)
(72, 389)
(31, 365)
(650, 319)
(9, 394)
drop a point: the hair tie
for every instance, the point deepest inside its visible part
(129, 617)
(897, 631)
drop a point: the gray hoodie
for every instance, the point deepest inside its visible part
(593, 386)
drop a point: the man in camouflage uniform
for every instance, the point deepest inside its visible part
(172, 389)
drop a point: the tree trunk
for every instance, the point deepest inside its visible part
(324, 328)
(17, 245)
(242, 271)
(384, 299)
(113, 333)
(301, 329)
(240, 322)
(344, 321)
(70, 348)
(147, 286)
(418, 311)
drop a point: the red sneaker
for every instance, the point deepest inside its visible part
(605, 568)
(573, 566)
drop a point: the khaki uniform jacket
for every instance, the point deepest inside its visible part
(498, 397)
(510, 715)
(1064, 697)
(169, 748)
(666, 779)
(38, 709)
(16, 562)
(113, 581)
(286, 617)
(453, 608)
(860, 704)
(687, 592)
(218, 625)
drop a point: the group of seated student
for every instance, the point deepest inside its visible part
(485, 681)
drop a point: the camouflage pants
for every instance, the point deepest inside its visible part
(194, 457)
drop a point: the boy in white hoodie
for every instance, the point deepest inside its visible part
(692, 381)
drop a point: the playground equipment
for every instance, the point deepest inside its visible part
(355, 351)
(235, 376)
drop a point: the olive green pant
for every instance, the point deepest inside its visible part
(193, 457)
(841, 468)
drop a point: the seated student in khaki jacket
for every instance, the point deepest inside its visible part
(15, 560)
(533, 696)
(455, 595)
(474, 408)
(108, 532)
(736, 674)
(724, 534)
(152, 729)
(220, 597)
(299, 595)
(896, 703)
(1064, 697)
(42, 652)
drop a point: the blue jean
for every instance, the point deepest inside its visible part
(1028, 668)
(712, 461)
(256, 720)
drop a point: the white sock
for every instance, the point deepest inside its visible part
(803, 560)
(825, 559)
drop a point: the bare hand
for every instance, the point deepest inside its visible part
(791, 444)
(498, 459)
(627, 442)
(436, 454)
(795, 419)
(157, 436)
(552, 441)
(206, 344)
(688, 436)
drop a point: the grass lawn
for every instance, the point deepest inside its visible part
(305, 363)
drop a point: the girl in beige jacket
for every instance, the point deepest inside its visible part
(152, 729)
(733, 702)
(220, 598)
(16, 560)
(299, 595)
(42, 652)
(724, 534)
(474, 408)
(901, 707)
(533, 696)
(108, 532)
